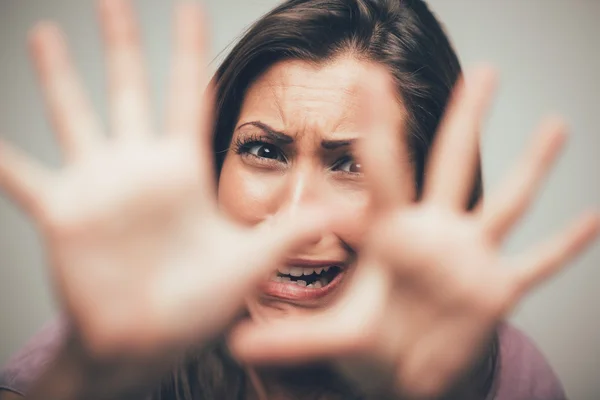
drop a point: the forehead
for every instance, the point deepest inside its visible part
(299, 97)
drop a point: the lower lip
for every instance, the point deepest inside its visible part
(292, 291)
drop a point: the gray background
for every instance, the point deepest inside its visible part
(549, 57)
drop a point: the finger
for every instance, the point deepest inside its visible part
(514, 195)
(190, 106)
(187, 72)
(545, 261)
(346, 330)
(296, 340)
(75, 123)
(274, 240)
(22, 179)
(455, 152)
(384, 151)
(202, 139)
(128, 90)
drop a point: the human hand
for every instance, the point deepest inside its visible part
(432, 283)
(142, 260)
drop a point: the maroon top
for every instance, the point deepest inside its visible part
(524, 373)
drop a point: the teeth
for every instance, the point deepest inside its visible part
(296, 272)
(285, 270)
(299, 271)
(286, 279)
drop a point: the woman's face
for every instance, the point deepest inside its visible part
(293, 147)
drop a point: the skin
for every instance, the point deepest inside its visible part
(318, 107)
(315, 106)
(406, 299)
(140, 270)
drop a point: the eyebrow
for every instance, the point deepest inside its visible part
(328, 144)
(270, 132)
(336, 144)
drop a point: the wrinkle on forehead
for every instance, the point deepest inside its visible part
(299, 97)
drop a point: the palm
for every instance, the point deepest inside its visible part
(431, 283)
(442, 301)
(139, 251)
(135, 216)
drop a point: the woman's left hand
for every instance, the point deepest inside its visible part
(431, 284)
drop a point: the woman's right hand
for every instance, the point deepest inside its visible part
(141, 258)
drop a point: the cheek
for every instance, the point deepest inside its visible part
(243, 195)
(249, 197)
(353, 206)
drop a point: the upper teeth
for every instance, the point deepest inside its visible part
(299, 271)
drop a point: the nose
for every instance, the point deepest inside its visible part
(307, 185)
(302, 188)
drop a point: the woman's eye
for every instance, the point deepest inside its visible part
(265, 150)
(349, 165)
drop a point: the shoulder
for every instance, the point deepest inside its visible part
(523, 371)
(29, 362)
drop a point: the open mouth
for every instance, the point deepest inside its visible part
(307, 277)
(304, 282)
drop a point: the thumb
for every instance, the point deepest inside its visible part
(297, 339)
(279, 236)
(350, 327)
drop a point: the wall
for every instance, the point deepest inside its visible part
(548, 55)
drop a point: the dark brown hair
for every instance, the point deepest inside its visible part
(402, 35)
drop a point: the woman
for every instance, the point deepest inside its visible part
(373, 279)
